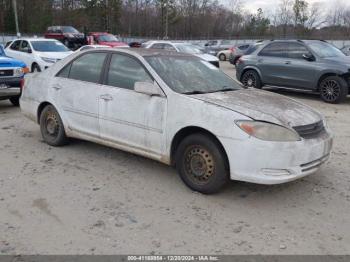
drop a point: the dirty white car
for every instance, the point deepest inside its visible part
(179, 110)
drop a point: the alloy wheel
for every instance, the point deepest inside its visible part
(249, 80)
(330, 90)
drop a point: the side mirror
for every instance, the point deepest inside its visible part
(148, 88)
(207, 44)
(309, 57)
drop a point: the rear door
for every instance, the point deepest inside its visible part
(272, 61)
(26, 55)
(14, 50)
(77, 89)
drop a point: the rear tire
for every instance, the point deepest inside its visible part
(51, 127)
(14, 101)
(202, 163)
(251, 78)
(222, 57)
(333, 89)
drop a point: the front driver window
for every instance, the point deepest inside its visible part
(124, 71)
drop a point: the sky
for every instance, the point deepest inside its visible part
(270, 5)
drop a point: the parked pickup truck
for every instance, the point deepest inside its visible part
(11, 78)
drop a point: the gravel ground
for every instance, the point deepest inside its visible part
(89, 199)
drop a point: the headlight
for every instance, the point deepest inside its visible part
(48, 60)
(20, 71)
(267, 131)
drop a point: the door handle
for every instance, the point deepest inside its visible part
(57, 87)
(106, 97)
(287, 62)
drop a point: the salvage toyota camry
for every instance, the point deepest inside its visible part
(179, 110)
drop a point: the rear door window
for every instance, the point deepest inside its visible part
(15, 45)
(88, 67)
(157, 46)
(278, 49)
(169, 47)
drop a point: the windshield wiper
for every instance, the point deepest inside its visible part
(224, 90)
(196, 92)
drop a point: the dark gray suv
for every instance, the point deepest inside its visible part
(311, 65)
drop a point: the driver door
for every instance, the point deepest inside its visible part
(131, 120)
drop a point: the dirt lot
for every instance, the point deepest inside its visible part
(85, 198)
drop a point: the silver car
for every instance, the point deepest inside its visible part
(311, 65)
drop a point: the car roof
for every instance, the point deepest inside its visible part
(166, 42)
(36, 39)
(99, 33)
(144, 52)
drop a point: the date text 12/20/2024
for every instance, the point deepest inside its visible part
(173, 258)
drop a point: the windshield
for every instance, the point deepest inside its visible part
(108, 38)
(49, 46)
(69, 29)
(188, 49)
(323, 49)
(191, 75)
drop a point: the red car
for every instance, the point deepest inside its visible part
(103, 38)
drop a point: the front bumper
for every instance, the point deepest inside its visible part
(10, 92)
(13, 88)
(264, 162)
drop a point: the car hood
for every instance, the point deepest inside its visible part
(263, 106)
(10, 62)
(55, 55)
(207, 57)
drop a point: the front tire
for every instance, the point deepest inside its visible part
(251, 78)
(202, 164)
(14, 101)
(51, 127)
(333, 89)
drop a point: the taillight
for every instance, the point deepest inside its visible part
(239, 60)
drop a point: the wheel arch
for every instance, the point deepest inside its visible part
(190, 130)
(250, 68)
(41, 108)
(324, 75)
(33, 64)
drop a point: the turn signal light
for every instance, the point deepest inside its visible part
(25, 70)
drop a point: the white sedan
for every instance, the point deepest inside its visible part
(37, 53)
(179, 110)
(183, 47)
